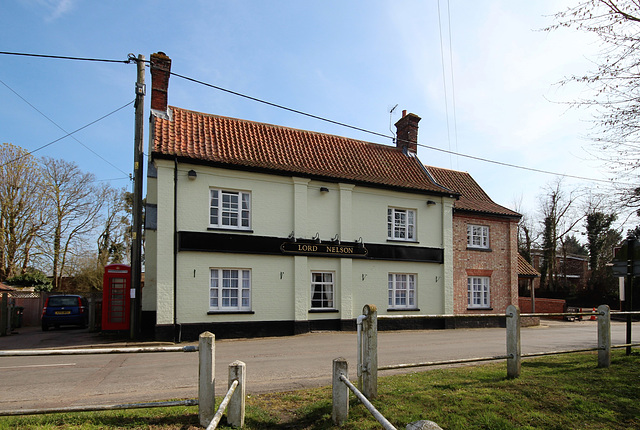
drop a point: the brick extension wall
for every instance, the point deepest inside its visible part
(500, 263)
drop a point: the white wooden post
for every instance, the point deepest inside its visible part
(235, 411)
(514, 351)
(206, 378)
(340, 392)
(370, 352)
(604, 336)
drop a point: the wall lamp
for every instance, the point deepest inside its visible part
(430, 203)
(324, 189)
(192, 175)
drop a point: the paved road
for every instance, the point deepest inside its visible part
(273, 364)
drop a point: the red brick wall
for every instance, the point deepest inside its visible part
(543, 305)
(500, 264)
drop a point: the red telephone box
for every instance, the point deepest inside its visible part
(116, 290)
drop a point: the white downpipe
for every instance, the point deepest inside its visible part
(359, 325)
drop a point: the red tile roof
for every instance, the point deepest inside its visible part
(239, 143)
(4, 287)
(472, 197)
(525, 269)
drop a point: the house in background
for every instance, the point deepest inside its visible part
(572, 273)
(255, 229)
(485, 248)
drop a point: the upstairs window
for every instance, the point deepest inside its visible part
(477, 236)
(230, 209)
(401, 224)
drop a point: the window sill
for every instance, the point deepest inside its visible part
(479, 309)
(323, 311)
(475, 248)
(239, 230)
(229, 312)
(403, 309)
(402, 241)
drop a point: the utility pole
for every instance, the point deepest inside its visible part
(136, 247)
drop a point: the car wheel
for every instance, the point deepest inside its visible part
(45, 327)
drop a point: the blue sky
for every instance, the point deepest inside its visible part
(347, 61)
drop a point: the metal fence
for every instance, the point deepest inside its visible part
(206, 383)
(340, 399)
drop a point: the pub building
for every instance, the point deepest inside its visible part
(255, 229)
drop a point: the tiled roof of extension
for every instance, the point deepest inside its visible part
(246, 144)
(472, 197)
(525, 269)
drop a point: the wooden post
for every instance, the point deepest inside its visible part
(370, 352)
(513, 342)
(206, 378)
(235, 411)
(340, 394)
(604, 336)
(136, 225)
(4, 314)
(91, 301)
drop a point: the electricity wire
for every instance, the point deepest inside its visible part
(57, 125)
(444, 85)
(64, 57)
(486, 160)
(453, 82)
(69, 134)
(131, 58)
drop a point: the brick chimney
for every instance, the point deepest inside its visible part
(160, 72)
(407, 132)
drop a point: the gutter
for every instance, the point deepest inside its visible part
(177, 328)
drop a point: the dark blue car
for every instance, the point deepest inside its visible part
(64, 310)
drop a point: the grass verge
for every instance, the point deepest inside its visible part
(555, 392)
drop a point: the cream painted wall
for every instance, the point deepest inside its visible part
(271, 296)
(163, 260)
(271, 199)
(370, 285)
(370, 215)
(281, 285)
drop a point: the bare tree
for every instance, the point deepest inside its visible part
(21, 209)
(76, 204)
(614, 86)
(113, 243)
(559, 217)
(527, 234)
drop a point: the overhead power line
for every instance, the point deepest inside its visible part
(132, 58)
(255, 99)
(486, 160)
(64, 57)
(56, 124)
(69, 134)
